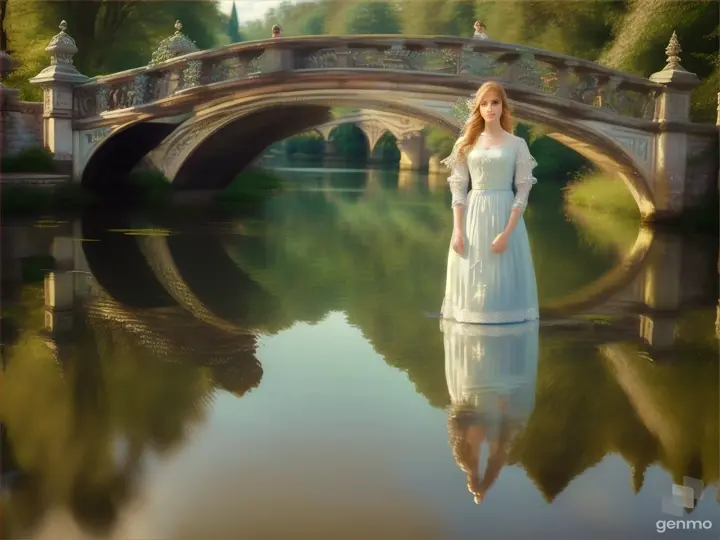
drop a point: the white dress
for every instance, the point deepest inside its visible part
(482, 286)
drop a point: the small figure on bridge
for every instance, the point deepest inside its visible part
(480, 30)
(490, 273)
(276, 31)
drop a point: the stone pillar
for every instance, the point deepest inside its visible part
(412, 151)
(57, 82)
(671, 107)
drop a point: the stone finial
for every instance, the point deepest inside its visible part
(176, 45)
(673, 51)
(673, 74)
(62, 48)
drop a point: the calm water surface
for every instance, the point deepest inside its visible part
(283, 375)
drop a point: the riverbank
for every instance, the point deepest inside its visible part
(608, 195)
(42, 193)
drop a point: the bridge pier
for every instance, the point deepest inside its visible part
(671, 185)
(413, 155)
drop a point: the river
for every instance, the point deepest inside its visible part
(283, 374)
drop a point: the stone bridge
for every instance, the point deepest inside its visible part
(374, 124)
(205, 115)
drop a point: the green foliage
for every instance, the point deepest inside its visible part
(386, 149)
(35, 159)
(602, 193)
(298, 19)
(250, 186)
(350, 142)
(374, 17)
(556, 162)
(110, 36)
(641, 36)
(305, 144)
(439, 141)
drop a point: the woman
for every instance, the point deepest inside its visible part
(490, 272)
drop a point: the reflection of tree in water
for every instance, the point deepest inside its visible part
(585, 410)
(83, 412)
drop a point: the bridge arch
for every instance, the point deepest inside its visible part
(366, 138)
(115, 152)
(183, 155)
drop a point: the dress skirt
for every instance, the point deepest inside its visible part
(486, 287)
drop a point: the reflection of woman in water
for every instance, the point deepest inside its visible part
(490, 373)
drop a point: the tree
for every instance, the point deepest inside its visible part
(234, 26)
(110, 36)
(373, 18)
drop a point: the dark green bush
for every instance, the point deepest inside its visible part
(36, 159)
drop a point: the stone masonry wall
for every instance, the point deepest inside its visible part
(21, 123)
(702, 170)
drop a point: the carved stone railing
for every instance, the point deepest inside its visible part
(574, 79)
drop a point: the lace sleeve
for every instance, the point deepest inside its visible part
(524, 179)
(459, 178)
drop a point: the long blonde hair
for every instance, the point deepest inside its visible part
(476, 123)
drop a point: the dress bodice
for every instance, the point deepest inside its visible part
(492, 168)
(497, 168)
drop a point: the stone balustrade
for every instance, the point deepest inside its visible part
(555, 74)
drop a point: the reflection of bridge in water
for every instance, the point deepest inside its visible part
(657, 278)
(180, 311)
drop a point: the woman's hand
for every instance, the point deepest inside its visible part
(500, 243)
(458, 241)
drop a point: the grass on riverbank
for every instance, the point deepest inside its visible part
(603, 194)
(608, 195)
(147, 189)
